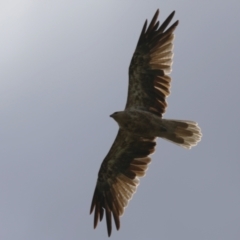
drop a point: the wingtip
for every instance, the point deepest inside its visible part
(172, 14)
(91, 210)
(109, 230)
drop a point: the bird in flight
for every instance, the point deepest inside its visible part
(141, 123)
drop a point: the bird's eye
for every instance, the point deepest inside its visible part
(115, 113)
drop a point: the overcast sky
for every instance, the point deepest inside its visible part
(64, 70)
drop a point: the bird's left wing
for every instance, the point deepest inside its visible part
(149, 80)
(118, 179)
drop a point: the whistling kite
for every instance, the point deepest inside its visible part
(140, 123)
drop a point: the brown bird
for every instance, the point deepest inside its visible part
(141, 123)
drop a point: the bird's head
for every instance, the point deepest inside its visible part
(115, 115)
(120, 117)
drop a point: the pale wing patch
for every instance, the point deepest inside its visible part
(124, 187)
(162, 55)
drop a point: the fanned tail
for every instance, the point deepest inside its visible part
(186, 134)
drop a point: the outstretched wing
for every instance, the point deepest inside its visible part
(118, 179)
(149, 81)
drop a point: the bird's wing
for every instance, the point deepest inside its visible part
(118, 179)
(149, 81)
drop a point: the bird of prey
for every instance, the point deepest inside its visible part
(141, 123)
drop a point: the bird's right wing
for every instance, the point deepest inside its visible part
(118, 179)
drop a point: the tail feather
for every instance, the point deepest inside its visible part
(183, 133)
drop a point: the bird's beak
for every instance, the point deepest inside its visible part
(111, 115)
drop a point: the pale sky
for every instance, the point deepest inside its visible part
(64, 70)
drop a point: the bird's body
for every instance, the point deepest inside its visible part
(138, 122)
(141, 123)
(148, 125)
